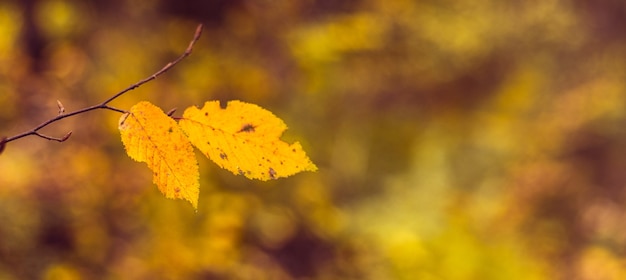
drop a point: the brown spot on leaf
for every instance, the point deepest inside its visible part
(223, 156)
(272, 173)
(247, 128)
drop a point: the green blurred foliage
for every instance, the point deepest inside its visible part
(455, 140)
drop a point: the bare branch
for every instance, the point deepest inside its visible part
(61, 139)
(113, 109)
(163, 70)
(104, 104)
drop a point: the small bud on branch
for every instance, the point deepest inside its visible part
(171, 112)
(61, 108)
(66, 136)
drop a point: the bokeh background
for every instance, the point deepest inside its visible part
(454, 139)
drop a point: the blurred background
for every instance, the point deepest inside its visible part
(454, 139)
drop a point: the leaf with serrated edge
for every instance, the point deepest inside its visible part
(150, 136)
(244, 139)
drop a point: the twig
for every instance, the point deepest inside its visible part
(104, 104)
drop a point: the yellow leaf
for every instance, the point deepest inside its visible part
(150, 136)
(244, 139)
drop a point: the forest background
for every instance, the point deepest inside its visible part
(454, 139)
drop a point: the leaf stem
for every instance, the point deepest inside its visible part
(103, 104)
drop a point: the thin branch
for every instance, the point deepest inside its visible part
(114, 109)
(164, 69)
(104, 104)
(61, 139)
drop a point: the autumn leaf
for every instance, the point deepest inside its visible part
(244, 139)
(150, 136)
